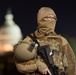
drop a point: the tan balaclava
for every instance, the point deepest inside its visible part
(45, 27)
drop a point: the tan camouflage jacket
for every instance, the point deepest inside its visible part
(32, 67)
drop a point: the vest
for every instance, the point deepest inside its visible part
(56, 52)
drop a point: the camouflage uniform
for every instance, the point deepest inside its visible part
(45, 34)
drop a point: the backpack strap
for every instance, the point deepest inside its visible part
(34, 39)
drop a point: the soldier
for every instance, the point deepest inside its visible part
(26, 57)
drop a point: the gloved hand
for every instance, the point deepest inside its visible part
(42, 67)
(45, 71)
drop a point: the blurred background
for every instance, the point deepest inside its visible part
(18, 19)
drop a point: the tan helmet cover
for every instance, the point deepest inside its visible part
(43, 12)
(21, 50)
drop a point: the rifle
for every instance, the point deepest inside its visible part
(44, 52)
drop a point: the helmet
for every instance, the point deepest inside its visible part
(43, 12)
(22, 53)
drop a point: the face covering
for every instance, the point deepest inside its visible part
(45, 27)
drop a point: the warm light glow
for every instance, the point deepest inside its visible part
(10, 34)
(6, 47)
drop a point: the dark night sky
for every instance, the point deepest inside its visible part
(25, 12)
